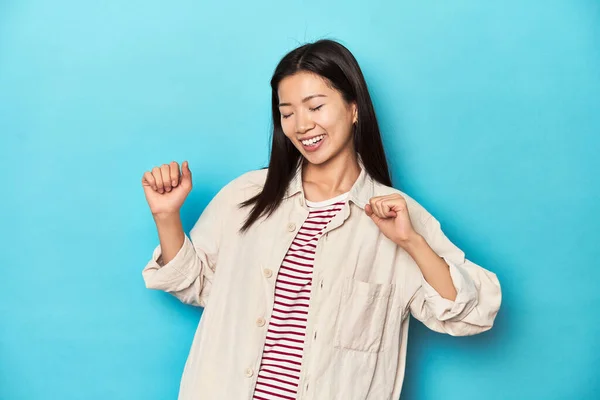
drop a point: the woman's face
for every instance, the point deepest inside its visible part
(315, 117)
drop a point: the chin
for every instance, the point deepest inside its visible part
(316, 159)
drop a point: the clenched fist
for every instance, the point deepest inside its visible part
(390, 214)
(166, 188)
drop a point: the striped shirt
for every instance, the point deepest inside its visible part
(279, 372)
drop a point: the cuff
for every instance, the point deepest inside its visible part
(179, 263)
(466, 296)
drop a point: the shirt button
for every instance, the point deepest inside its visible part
(260, 322)
(321, 284)
(268, 273)
(249, 372)
(291, 227)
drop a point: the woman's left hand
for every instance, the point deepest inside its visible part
(390, 214)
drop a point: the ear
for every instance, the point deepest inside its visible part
(354, 113)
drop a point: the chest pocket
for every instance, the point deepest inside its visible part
(362, 315)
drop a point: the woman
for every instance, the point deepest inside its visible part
(308, 270)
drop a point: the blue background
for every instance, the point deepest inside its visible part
(490, 113)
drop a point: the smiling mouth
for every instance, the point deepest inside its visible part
(312, 141)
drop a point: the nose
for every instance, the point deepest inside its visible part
(303, 123)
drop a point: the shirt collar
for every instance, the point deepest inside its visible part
(360, 194)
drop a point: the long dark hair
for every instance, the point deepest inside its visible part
(337, 65)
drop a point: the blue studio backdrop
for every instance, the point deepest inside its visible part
(490, 113)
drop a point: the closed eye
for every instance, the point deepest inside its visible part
(286, 116)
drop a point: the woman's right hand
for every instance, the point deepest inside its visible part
(166, 188)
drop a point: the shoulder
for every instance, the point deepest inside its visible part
(250, 180)
(244, 186)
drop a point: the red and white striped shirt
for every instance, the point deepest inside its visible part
(279, 372)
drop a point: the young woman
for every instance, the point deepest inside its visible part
(308, 270)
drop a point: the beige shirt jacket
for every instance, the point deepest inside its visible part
(364, 288)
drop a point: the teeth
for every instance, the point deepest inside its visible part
(313, 140)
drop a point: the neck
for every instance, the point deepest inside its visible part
(330, 179)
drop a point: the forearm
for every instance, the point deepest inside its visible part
(433, 267)
(170, 234)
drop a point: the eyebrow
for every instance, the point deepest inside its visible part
(304, 100)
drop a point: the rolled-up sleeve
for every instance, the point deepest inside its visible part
(189, 275)
(478, 291)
